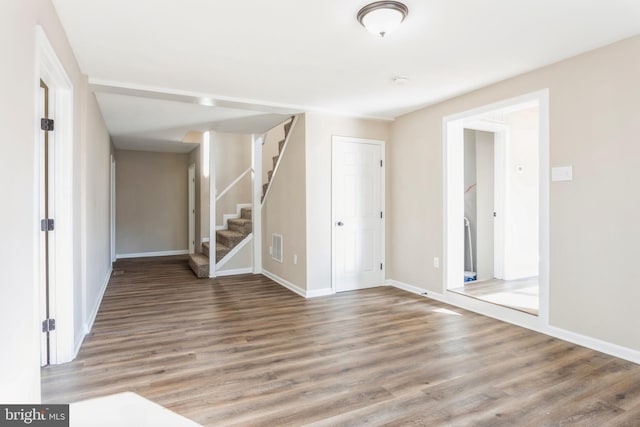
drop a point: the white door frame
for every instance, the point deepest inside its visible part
(256, 215)
(113, 208)
(192, 207)
(209, 140)
(350, 140)
(453, 138)
(61, 272)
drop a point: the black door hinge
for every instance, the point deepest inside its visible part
(380, 163)
(380, 266)
(48, 325)
(46, 124)
(47, 224)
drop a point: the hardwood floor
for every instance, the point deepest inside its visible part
(521, 294)
(245, 351)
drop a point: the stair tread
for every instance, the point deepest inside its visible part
(205, 244)
(229, 233)
(239, 220)
(199, 258)
(221, 247)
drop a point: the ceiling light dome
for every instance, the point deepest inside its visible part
(382, 17)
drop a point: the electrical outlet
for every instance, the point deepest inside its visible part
(270, 250)
(295, 259)
(436, 262)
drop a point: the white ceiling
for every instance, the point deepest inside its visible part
(297, 55)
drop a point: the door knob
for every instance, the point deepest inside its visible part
(339, 223)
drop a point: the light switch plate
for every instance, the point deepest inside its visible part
(562, 173)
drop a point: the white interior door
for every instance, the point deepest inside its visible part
(358, 218)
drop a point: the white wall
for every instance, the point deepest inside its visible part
(19, 359)
(19, 299)
(521, 254)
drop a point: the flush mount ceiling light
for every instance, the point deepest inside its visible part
(382, 17)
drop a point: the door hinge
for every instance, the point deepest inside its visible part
(46, 124)
(47, 224)
(380, 266)
(380, 214)
(380, 163)
(48, 325)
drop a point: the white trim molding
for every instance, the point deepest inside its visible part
(153, 254)
(518, 318)
(313, 293)
(62, 277)
(222, 273)
(283, 282)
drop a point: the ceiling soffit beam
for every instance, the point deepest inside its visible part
(119, 88)
(186, 97)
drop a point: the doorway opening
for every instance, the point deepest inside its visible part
(497, 204)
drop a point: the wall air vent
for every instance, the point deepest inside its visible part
(276, 247)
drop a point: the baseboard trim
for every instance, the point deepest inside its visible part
(314, 293)
(595, 344)
(88, 324)
(553, 331)
(235, 272)
(279, 280)
(153, 254)
(415, 290)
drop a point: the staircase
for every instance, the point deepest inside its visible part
(237, 230)
(287, 128)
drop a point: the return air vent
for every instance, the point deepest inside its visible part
(276, 247)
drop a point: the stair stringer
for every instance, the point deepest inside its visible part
(227, 217)
(237, 248)
(281, 153)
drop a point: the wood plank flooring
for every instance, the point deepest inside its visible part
(521, 294)
(245, 351)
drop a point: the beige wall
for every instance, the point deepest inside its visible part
(151, 202)
(270, 149)
(284, 212)
(96, 213)
(319, 130)
(485, 196)
(232, 155)
(594, 124)
(19, 284)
